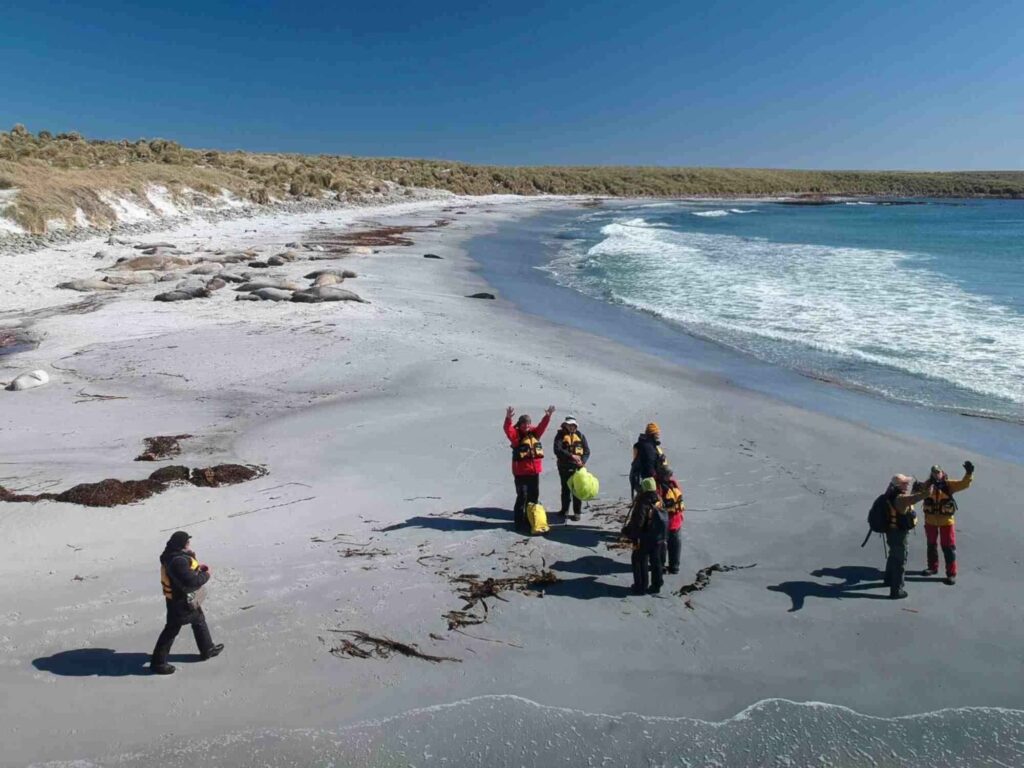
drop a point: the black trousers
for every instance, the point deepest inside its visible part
(564, 474)
(171, 629)
(647, 566)
(527, 492)
(896, 564)
(673, 549)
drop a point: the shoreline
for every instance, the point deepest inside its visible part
(379, 426)
(533, 290)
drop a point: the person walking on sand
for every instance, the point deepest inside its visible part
(902, 520)
(939, 521)
(672, 499)
(527, 459)
(647, 457)
(646, 530)
(183, 579)
(571, 453)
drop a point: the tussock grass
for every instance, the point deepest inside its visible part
(56, 174)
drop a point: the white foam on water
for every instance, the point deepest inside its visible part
(512, 731)
(739, 210)
(882, 307)
(710, 214)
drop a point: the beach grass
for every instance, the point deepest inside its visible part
(55, 174)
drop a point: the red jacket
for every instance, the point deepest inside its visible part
(530, 465)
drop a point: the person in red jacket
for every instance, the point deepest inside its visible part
(527, 459)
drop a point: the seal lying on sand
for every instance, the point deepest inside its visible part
(161, 263)
(284, 285)
(342, 273)
(327, 293)
(132, 278)
(89, 284)
(184, 294)
(29, 380)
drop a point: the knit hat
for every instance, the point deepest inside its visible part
(178, 540)
(653, 429)
(937, 471)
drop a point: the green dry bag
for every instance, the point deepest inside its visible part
(584, 486)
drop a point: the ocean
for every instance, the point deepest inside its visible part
(514, 732)
(921, 303)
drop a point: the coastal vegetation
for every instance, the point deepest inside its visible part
(59, 175)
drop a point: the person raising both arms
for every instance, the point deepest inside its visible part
(939, 521)
(527, 459)
(571, 453)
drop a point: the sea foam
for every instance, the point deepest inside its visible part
(512, 731)
(806, 305)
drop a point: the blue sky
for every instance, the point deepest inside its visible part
(914, 85)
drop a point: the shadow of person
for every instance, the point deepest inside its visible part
(799, 591)
(850, 574)
(488, 513)
(448, 524)
(592, 565)
(100, 662)
(586, 588)
(586, 536)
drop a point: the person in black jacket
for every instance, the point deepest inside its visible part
(571, 453)
(647, 457)
(183, 579)
(646, 529)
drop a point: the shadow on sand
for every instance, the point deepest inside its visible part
(855, 581)
(586, 588)
(592, 565)
(101, 662)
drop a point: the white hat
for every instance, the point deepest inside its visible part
(570, 420)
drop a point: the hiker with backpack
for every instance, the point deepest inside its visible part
(646, 528)
(648, 456)
(939, 521)
(893, 514)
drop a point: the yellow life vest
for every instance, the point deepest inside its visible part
(940, 507)
(673, 500)
(529, 448)
(165, 579)
(572, 443)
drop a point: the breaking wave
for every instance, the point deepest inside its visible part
(857, 314)
(511, 731)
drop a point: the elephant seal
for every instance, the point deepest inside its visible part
(272, 294)
(327, 278)
(162, 263)
(29, 380)
(206, 268)
(183, 294)
(284, 285)
(327, 293)
(132, 278)
(215, 284)
(342, 273)
(89, 284)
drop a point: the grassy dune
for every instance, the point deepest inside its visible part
(54, 175)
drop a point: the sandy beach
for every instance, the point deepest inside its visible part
(388, 479)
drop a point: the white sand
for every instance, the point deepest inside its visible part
(386, 414)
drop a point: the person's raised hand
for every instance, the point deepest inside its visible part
(969, 467)
(510, 412)
(550, 410)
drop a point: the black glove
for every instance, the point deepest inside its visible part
(969, 466)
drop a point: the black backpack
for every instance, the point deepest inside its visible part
(878, 517)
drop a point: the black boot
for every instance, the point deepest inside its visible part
(214, 651)
(897, 594)
(162, 669)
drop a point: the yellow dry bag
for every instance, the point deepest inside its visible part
(537, 517)
(584, 485)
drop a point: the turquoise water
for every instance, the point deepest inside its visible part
(920, 303)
